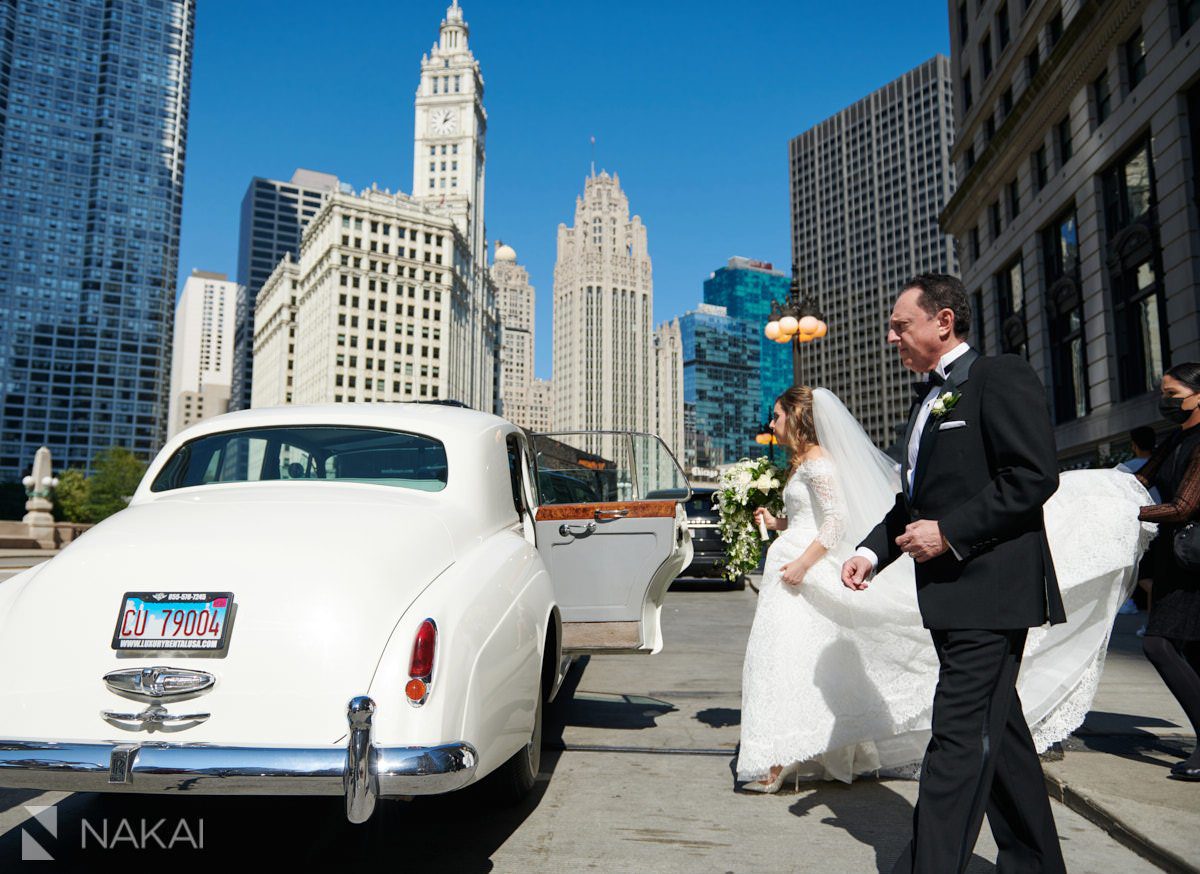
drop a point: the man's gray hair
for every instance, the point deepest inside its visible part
(941, 291)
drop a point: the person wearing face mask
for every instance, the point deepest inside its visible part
(1172, 638)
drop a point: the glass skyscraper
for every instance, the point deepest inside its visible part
(746, 289)
(721, 387)
(93, 127)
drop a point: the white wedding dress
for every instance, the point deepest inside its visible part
(842, 681)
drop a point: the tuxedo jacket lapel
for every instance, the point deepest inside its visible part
(960, 372)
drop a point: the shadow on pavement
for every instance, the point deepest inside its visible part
(873, 815)
(597, 709)
(720, 717)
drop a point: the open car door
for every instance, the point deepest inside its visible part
(613, 534)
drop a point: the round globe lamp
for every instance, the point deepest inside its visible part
(772, 330)
(789, 324)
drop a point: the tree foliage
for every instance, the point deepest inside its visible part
(115, 477)
(71, 496)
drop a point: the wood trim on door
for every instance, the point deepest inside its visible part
(637, 510)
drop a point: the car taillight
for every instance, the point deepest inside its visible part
(420, 667)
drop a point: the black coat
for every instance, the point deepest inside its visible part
(984, 482)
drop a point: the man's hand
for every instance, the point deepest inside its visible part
(793, 572)
(922, 540)
(855, 572)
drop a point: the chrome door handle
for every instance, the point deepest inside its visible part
(612, 514)
(566, 530)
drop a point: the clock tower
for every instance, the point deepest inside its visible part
(448, 153)
(448, 160)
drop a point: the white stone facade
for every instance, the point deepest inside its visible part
(381, 307)
(1078, 212)
(604, 375)
(274, 340)
(516, 303)
(668, 369)
(202, 355)
(867, 186)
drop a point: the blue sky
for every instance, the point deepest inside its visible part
(692, 104)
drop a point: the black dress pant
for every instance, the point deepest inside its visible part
(980, 758)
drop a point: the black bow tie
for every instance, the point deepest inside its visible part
(920, 388)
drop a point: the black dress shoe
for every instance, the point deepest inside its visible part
(1182, 771)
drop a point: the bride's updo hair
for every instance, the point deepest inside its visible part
(1188, 373)
(799, 429)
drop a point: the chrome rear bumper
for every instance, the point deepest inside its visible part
(361, 771)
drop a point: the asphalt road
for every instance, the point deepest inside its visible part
(636, 776)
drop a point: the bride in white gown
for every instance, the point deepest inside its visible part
(838, 683)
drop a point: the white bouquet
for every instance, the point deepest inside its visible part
(746, 486)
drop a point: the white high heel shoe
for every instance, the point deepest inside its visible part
(774, 786)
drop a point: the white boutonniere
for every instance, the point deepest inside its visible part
(944, 404)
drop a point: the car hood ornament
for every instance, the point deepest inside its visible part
(158, 681)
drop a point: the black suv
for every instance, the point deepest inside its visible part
(708, 558)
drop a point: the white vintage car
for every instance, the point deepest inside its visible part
(368, 600)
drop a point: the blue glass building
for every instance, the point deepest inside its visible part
(746, 288)
(93, 127)
(721, 387)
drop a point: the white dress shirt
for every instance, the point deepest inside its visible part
(914, 439)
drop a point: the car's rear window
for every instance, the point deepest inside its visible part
(310, 453)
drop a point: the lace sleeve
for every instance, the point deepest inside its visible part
(1187, 498)
(829, 499)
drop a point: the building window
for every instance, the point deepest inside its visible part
(1135, 58)
(1189, 11)
(1010, 303)
(975, 243)
(1014, 200)
(1054, 30)
(994, 220)
(1062, 134)
(1041, 168)
(1003, 33)
(1064, 309)
(1134, 267)
(985, 55)
(1193, 109)
(966, 92)
(1006, 102)
(964, 24)
(989, 129)
(977, 322)
(1031, 64)
(970, 156)
(1103, 98)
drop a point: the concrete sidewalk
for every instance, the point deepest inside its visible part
(1114, 768)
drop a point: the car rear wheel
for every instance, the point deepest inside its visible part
(515, 778)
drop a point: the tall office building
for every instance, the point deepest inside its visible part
(1078, 213)
(372, 311)
(746, 289)
(867, 187)
(722, 375)
(93, 128)
(202, 353)
(539, 411)
(668, 391)
(603, 333)
(515, 297)
(274, 215)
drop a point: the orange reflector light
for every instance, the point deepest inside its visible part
(415, 689)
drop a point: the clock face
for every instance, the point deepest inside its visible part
(443, 121)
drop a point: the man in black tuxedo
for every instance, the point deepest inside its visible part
(980, 464)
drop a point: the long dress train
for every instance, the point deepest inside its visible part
(842, 682)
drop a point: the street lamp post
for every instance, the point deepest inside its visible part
(797, 320)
